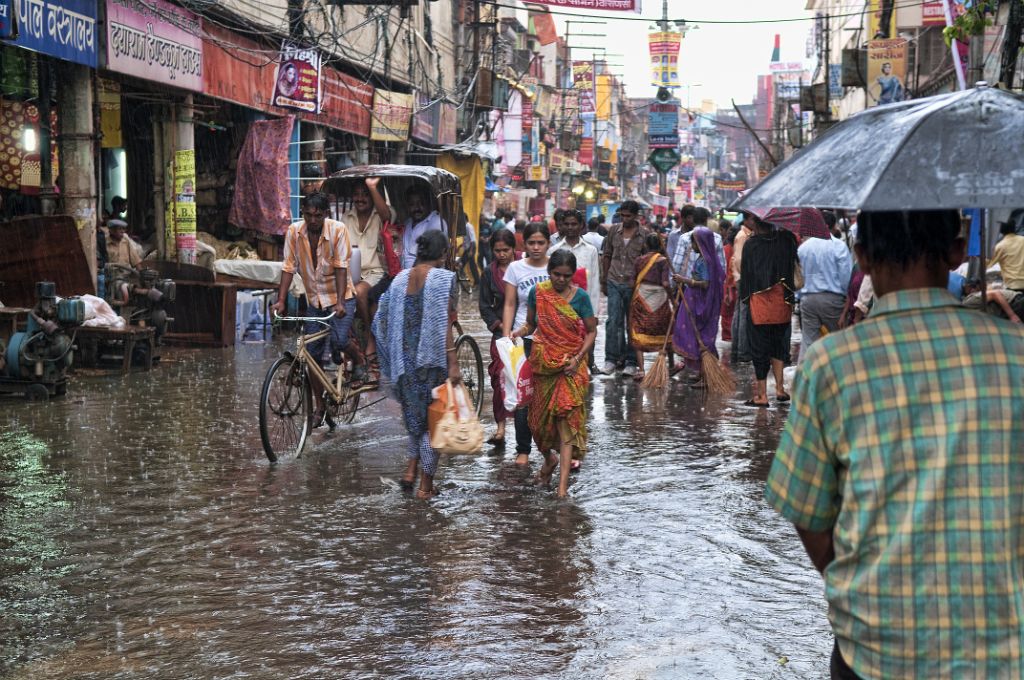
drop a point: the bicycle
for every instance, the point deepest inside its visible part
(286, 400)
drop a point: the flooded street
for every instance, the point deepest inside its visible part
(144, 535)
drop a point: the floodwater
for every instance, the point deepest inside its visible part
(144, 535)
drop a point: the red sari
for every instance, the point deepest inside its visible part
(557, 411)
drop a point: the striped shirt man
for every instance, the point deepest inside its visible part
(905, 443)
(333, 252)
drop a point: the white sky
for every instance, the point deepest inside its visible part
(725, 59)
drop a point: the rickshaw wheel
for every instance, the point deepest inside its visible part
(471, 366)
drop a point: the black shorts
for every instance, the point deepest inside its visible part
(379, 289)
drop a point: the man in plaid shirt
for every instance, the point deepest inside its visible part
(902, 467)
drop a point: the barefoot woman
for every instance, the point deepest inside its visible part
(413, 327)
(561, 317)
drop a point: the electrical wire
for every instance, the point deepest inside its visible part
(726, 22)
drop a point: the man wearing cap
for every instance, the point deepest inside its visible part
(120, 249)
(1009, 255)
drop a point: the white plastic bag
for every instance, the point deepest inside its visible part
(516, 374)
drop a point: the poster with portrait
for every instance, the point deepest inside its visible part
(664, 49)
(887, 71)
(297, 80)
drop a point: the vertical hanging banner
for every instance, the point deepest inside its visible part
(887, 70)
(544, 25)
(391, 114)
(664, 48)
(583, 83)
(297, 81)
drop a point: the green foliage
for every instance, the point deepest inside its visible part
(972, 22)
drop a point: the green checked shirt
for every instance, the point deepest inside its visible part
(906, 440)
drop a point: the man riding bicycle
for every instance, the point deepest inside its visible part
(319, 249)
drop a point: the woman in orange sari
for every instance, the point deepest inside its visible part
(650, 310)
(561, 318)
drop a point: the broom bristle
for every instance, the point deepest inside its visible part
(657, 377)
(718, 377)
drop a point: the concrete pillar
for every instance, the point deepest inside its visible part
(159, 181)
(77, 144)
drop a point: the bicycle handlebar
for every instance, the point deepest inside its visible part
(317, 319)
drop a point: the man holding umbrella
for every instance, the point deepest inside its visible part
(902, 467)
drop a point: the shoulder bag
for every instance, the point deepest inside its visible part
(458, 430)
(769, 306)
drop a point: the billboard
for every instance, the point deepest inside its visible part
(663, 124)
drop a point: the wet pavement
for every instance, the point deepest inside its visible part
(144, 535)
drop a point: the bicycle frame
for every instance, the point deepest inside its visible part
(309, 363)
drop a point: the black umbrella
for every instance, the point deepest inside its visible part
(959, 150)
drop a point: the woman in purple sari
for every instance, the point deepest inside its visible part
(697, 321)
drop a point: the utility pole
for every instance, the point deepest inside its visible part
(663, 174)
(827, 119)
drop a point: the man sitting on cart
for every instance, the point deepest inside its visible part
(421, 220)
(319, 249)
(364, 221)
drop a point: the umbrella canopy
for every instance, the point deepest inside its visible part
(959, 150)
(804, 222)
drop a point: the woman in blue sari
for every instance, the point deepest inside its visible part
(415, 343)
(696, 325)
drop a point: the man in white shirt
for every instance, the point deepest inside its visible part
(421, 220)
(594, 238)
(587, 257)
(364, 221)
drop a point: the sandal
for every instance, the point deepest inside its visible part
(575, 466)
(427, 495)
(407, 484)
(639, 375)
(497, 442)
(758, 404)
(782, 398)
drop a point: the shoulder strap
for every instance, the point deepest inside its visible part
(651, 261)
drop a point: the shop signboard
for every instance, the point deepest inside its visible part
(426, 119)
(232, 71)
(346, 103)
(600, 5)
(933, 13)
(155, 40)
(6, 19)
(297, 81)
(66, 30)
(730, 185)
(391, 114)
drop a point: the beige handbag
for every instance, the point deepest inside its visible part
(458, 430)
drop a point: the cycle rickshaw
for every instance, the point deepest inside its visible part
(286, 401)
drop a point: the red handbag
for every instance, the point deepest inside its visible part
(387, 245)
(769, 306)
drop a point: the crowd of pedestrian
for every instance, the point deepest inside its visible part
(900, 464)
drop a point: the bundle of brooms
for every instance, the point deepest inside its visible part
(718, 378)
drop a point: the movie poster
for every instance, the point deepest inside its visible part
(887, 71)
(297, 81)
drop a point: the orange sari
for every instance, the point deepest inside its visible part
(557, 411)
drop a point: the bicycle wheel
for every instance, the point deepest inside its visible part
(471, 366)
(286, 409)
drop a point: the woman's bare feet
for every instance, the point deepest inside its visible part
(522, 459)
(543, 477)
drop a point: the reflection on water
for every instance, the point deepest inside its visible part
(142, 534)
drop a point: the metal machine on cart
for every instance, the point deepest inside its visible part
(35, 361)
(141, 297)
